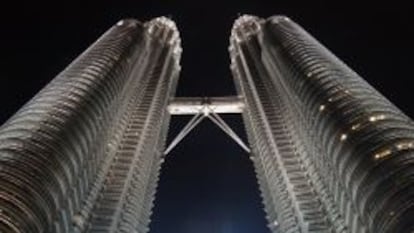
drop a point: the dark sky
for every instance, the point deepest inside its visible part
(207, 182)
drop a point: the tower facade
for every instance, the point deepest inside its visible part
(84, 154)
(331, 153)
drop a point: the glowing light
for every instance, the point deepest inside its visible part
(322, 107)
(405, 145)
(382, 154)
(120, 23)
(356, 126)
(376, 118)
(343, 137)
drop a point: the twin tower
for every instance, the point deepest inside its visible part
(331, 154)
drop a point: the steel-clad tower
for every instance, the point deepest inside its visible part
(331, 154)
(84, 154)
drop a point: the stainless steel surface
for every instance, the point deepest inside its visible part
(330, 152)
(84, 154)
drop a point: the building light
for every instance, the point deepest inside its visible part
(322, 107)
(356, 126)
(376, 118)
(405, 145)
(382, 154)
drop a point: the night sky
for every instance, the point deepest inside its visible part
(207, 183)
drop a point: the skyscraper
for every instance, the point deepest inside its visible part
(84, 154)
(331, 154)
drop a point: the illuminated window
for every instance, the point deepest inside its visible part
(382, 154)
(405, 145)
(376, 118)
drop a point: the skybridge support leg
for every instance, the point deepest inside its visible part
(203, 108)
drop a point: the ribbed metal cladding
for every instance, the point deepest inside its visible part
(319, 132)
(93, 137)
